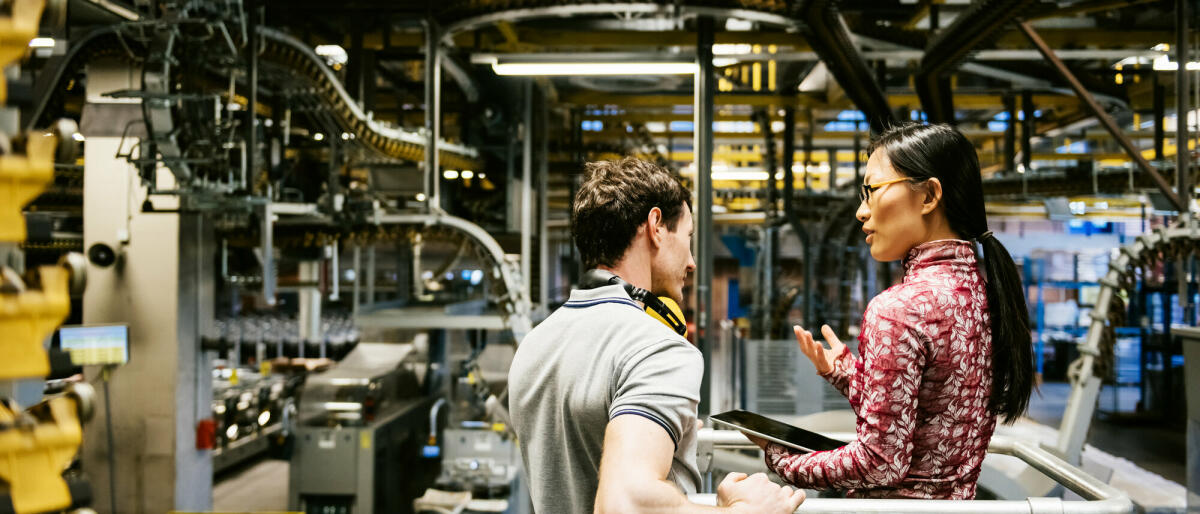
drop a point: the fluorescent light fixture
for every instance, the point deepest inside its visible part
(318, 137)
(450, 174)
(468, 174)
(41, 42)
(732, 48)
(593, 68)
(342, 406)
(1163, 63)
(739, 175)
(333, 54)
(738, 25)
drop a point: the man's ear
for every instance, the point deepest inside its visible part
(933, 196)
(655, 227)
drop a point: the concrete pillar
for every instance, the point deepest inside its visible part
(310, 305)
(162, 287)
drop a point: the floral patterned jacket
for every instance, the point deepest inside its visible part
(920, 390)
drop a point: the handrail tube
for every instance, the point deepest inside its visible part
(1101, 498)
(516, 313)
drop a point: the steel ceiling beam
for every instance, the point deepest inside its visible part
(831, 40)
(979, 23)
(965, 101)
(1105, 120)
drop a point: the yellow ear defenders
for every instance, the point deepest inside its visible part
(660, 308)
(674, 309)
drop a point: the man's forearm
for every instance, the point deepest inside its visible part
(654, 497)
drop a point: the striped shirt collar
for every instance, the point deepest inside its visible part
(607, 294)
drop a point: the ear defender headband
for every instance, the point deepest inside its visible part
(656, 307)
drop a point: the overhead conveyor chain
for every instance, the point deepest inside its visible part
(286, 52)
(282, 49)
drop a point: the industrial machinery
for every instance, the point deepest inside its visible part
(358, 437)
(252, 413)
(40, 434)
(482, 461)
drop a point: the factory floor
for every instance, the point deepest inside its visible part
(1151, 444)
(257, 486)
(262, 485)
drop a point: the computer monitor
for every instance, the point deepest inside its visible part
(95, 344)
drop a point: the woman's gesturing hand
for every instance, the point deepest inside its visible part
(821, 357)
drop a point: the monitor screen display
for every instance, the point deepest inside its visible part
(96, 344)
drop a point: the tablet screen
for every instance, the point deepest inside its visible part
(782, 433)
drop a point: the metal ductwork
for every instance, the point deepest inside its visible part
(981, 22)
(830, 39)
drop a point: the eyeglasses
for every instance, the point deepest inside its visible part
(865, 193)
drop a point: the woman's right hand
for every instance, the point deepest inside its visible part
(816, 352)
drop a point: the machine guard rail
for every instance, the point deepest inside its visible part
(1100, 498)
(516, 300)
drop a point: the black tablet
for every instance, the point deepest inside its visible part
(775, 431)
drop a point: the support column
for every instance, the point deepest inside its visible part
(163, 289)
(1027, 129)
(545, 280)
(789, 158)
(433, 114)
(527, 189)
(371, 276)
(355, 66)
(252, 97)
(764, 124)
(310, 304)
(1010, 134)
(1160, 112)
(808, 148)
(857, 155)
(1183, 184)
(833, 167)
(358, 276)
(703, 150)
(579, 157)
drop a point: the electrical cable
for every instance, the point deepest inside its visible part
(112, 455)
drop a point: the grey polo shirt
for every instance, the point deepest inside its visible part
(598, 357)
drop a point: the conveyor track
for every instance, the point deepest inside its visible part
(281, 50)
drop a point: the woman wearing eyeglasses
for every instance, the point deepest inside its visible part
(944, 353)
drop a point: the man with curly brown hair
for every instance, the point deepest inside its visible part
(604, 397)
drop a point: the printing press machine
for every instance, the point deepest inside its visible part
(359, 434)
(251, 413)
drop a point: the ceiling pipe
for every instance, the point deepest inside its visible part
(979, 23)
(830, 39)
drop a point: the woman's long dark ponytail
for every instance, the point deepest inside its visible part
(940, 151)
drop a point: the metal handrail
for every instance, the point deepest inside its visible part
(1100, 498)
